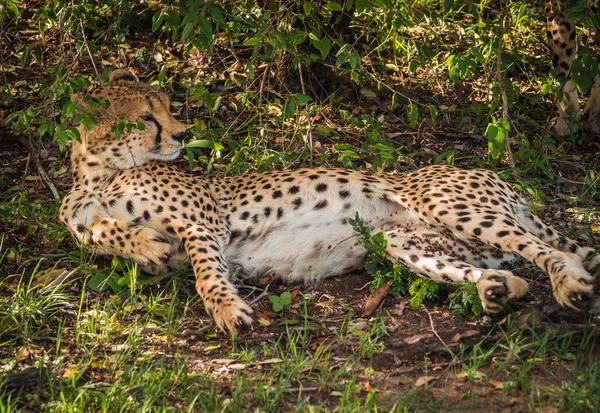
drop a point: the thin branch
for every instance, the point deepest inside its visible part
(261, 295)
(438, 336)
(504, 24)
(309, 135)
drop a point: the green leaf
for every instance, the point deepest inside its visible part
(324, 47)
(361, 5)
(413, 114)
(333, 6)
(354, 59)
(101, 282)
(172, 19)
(190, 16)
(433, 112)
(68, 109)
(342, 54)
(296, 36)
(307, 8)
(188, 31)
(251, 41)
(206, 33)
(157, 20)
(496, 134)
(286, 298)
(302, 98)
(43, 129)
(215, 12)
(205, 143)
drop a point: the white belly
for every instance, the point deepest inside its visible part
(310, 246)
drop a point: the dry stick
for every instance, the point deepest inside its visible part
(38, 162)
(260, 89)
(438, 336)
(87, 47)
(261, 295)
(44, 176)
(308, 117)
(504, 23)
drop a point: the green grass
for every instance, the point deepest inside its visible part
(112, 352)
(412, 83)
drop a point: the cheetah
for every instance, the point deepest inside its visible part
(442, 222)
(562, 44)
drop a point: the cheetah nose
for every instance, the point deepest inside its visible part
(181, 136)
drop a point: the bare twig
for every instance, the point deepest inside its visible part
(194, 333)
(261, 295)
(309, 135)
(433, 330)
(504, 25)
(46, 179)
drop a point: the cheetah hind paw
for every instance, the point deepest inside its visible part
(574, 288)
(232, 314)
(496, 287)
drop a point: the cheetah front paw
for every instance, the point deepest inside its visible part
(574, 288)
(496, 287)
(231, 314)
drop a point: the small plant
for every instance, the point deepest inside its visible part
(121, 278)
(465, 300)
(404, 282)
(281, 303)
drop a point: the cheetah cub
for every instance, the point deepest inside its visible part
(444, 223)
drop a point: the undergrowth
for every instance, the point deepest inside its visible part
(463, 298)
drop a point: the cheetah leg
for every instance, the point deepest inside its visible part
(143, 245)
(591, 260)
(228, 310)
(590, 120)
(572, 285)
(494, 287)
(562, 43)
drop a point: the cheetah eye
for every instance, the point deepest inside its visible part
(146, 117)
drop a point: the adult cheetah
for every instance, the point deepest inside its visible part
(562, 43)
(444, 223)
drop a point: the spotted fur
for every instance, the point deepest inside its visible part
(444, 223)
(562, 42)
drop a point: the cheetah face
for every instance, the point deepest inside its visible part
(151, 132)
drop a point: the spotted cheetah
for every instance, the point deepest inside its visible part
(562, 42)
(442, 222)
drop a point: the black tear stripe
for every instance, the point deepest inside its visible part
(149, 118)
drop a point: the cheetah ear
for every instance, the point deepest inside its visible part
(122, 75)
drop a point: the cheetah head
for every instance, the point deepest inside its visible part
(157, 136)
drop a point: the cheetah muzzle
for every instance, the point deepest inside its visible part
(444, 223)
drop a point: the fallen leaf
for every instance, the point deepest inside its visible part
(271, 361)
(375, 299)
(211, 348)
(22, 353)
(477, 375)
(265, 280)
(46, 276)
(225, 362)
(424, 380)
(416, 338)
